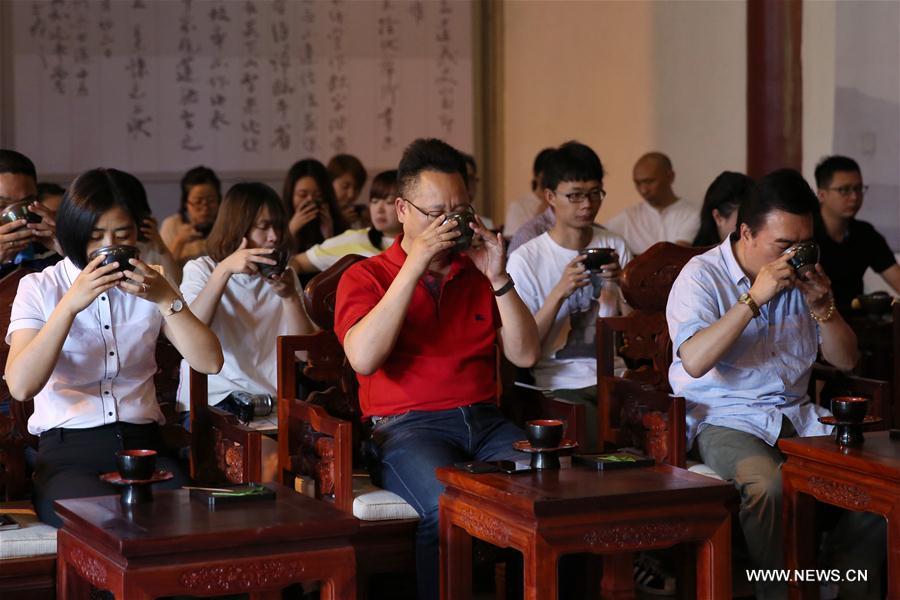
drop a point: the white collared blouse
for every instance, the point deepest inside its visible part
(105, 369)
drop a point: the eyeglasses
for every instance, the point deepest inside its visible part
(388, 201)
(203, 202)
(846, 190)
(467, 208)
(594, 195)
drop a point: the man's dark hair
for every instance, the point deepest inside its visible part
(17, 164)
(572, 161)
(541, 160)
(830, 165)
(49, 189)
(93, 193)
(537, 169)
(428, 154)
(470, 161)
(785, 190)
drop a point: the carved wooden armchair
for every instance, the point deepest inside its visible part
(639, 410)
(319, 433)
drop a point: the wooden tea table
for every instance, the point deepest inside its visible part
(175, 546)
(546, 514)
(866, 478)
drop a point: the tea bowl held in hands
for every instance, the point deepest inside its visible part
(120, 253)
(464, 241)
(806, 255)
(595, 258)
(270, 271)
(18, 210)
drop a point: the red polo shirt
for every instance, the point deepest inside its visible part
(444, 356)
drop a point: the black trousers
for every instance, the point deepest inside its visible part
(70, 462)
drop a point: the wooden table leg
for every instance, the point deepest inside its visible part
(455, 556)
(69, 584)
(714, 563)
(342, 583)
(541, 568)
(618, 577)
(799, 534)
(893, 554)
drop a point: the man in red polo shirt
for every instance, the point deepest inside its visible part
(419, 324)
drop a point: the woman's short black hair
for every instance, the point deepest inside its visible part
(92, 194)
(726, 194)
(785, 190)
(384, 185)
(572, 161)
(197, 176)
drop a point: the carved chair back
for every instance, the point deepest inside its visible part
(14, 436)
(895, 383)
(641, 339)
(318, 407)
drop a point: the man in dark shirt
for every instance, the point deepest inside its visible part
(848, 246)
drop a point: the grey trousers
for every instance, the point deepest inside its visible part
(858, 540)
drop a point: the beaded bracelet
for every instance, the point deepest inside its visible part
(828, 313)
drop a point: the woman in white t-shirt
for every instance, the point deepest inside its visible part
(245, 308)
(365, 242)
(83, 341)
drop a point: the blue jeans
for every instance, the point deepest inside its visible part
(412, 445)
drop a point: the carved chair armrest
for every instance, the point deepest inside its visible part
(318, 446)
(13, 483)
(634, 414)
(571, 412)
(221, 447)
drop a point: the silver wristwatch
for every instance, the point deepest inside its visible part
(177, 305)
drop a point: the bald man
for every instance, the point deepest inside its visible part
(662, 216)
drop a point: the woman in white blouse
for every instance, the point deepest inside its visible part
(245, 308)
(83, 340)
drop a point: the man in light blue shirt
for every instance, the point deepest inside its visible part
(746, 330)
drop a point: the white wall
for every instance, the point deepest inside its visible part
(626, 78)
(851, 101)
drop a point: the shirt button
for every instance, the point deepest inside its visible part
(103, 298)
(106, 327)
(106, 392)
(109, 414)
(113, 354)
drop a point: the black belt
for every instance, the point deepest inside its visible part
(117, 427)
